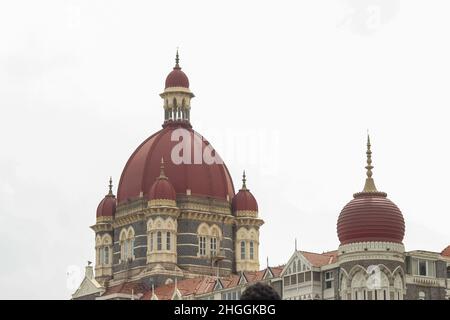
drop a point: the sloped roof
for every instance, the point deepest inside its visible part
(446, 252)
(186, 287)
(320, 259)
(134, 287)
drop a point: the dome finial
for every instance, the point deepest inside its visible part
(370, 184)
(244, 180)
(177, 60)
(110, 193)
(161, 172)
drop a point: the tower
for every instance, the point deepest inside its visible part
(103, 236)
(162, 214)
(177, 96)
(371, 253)
(245, 209)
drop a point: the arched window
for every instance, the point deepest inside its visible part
(125, 250)
(106, 255)
(213, 247)
(252, 254)
(131, 253)
(242, 250)
(168, 238)
(202, 245)
(159, 241)
(151, 246)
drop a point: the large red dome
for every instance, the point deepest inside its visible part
(143, 167)
(370, 216)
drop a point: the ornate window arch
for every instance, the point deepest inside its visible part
(161, 235)
(126, 240)
(209, 240)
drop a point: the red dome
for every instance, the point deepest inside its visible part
(177, 78)
(162, 189)
(141, 170)
(370, 216)
(446, 252)
(244, 201)
(107, 207)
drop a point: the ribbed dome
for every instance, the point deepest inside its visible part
(244, 201)
(107, 207)
(162, 189)
(177, 78)
(143, 167)
(370, 217)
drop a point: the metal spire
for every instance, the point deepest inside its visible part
(161, 172)
(244, 180)
(110, 193)
(370, 184)
(177, 60)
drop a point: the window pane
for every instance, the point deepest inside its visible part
(168, 241)
(431, 269)
(159, 240)
(213, 246)
(242, 250)
(151, 241)
(251, 250)
(106, 260)
(422, 267)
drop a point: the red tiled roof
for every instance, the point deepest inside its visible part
(446, 252)
(187, 287)
(135, 287)
(277, 270)
(320, 259)
(205, 284)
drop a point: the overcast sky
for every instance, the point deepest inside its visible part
(284, 89)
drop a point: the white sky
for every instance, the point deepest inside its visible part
(284, 89)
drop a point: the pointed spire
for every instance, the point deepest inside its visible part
(244, 180)
(370, 184)
(110, 193)
(177, 60)
(161, 168)
(295, 244)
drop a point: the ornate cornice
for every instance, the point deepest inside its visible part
(371, 246)
(247, 213)
(206, 216)
(162, 203)
(247, 221)
(128, 219)
(102, 226)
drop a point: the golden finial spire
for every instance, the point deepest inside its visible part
(369, 186)
(244, 180)
(110, 193)
(161, 168)
(177, 60)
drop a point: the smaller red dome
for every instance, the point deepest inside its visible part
(162, 189)
(177, 78)
(107, 207)
(244, 199)
(446, 252)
